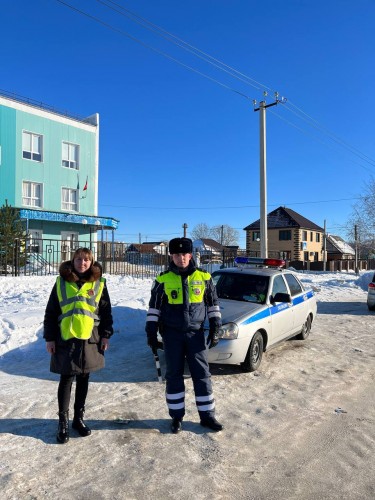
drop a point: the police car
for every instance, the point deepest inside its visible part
(261, 305)
(371, 295)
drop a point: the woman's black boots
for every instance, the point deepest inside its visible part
(62, 435)
(78, 424)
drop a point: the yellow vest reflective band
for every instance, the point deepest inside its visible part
(78, 306)
(173, 286)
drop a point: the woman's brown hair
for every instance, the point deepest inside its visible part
(85, 251)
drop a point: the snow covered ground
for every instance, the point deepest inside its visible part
(302, 427)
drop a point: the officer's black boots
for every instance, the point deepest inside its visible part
(62, 435)
(78, 424)
(212, 424)
(176, 425)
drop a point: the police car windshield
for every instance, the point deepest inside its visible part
(241, 287)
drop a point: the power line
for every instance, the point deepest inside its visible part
(232, 72)
(179, 42)
(333, 136)
(160, 52)
(169, 208)
(315, 137)
(218, 64)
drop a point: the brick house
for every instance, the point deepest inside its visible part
(290, 236)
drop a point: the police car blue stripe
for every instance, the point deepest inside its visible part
(278, 308)
(259, 315)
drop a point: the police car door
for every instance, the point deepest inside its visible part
(281, 312)
(299, 301)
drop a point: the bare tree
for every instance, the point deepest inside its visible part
(200, 231)
(363, 219)
(225, 235)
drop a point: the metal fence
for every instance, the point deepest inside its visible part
(44, 256)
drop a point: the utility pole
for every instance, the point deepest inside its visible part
(263, 175)
(356, 247)
(184, 227)
(325, 247)
(222, 235)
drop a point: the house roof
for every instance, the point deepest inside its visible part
(284, 217)
(337, 244)
(209, 244)
(143, 247)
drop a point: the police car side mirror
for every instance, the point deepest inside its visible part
(281, 297)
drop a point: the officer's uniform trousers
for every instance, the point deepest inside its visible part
(191, 345)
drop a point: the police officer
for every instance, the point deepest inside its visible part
(180, 299)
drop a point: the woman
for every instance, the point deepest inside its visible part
(77, 327)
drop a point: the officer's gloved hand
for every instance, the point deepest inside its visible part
(152, 341)
(213, 337)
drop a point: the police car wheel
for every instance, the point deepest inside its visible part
(305, 332)
(254, 354)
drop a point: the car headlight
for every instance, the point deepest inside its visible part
(228, 331)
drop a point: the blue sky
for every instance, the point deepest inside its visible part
(179, 147)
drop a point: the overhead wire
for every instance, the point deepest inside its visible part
(334, 137)
(148, 46)
(170, 37)
(306, 132)
(226, 207)
(184, 45)
(227, 69)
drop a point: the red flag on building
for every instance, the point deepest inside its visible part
(85, 186)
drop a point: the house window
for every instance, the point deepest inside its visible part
(70, 155)
(317, 236)
(304, 235)
(285, 235)
(256, 235)
(32, 194)
(69, 199)
(311, 236)
(32, 146)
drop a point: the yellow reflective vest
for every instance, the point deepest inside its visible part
(173, 286)
(78, 306)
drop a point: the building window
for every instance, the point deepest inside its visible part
(285, 235)
(32, 146)
(317, 237)
(304, 235)
(32, 194)
(311, 236)
(69, 199)
(256, 236)
(70, 155)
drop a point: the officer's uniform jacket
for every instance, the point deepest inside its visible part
(180, 300)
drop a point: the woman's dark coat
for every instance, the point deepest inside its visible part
(76, 356)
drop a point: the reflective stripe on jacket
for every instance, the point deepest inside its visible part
(78, 307)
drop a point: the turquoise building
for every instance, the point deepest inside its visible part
(49, 166)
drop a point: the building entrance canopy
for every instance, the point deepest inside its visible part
(102, 222)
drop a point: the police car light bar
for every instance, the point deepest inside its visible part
(258, 261)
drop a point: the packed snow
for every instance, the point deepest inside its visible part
(302, 426)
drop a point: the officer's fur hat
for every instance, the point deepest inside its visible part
(181, 245)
